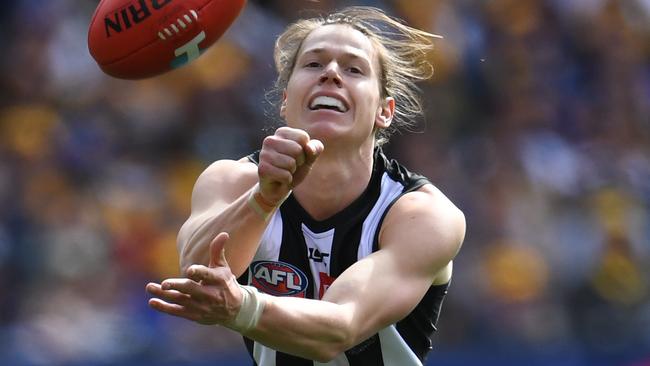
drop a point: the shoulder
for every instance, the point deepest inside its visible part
(227, 170)
(224, 180)
(427, 223)
(430, 202)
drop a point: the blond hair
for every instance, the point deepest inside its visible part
(402, 53)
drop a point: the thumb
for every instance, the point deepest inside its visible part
(217, 252)
(314, 149)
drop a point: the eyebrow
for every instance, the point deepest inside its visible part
(348, 54)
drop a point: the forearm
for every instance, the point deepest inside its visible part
(244, 225)
(317, 330)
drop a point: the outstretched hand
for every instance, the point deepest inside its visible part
(209, 295)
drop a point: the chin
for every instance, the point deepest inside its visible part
(325, 135)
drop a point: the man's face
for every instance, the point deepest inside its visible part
(333, 92)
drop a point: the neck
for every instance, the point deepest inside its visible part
(337, 178)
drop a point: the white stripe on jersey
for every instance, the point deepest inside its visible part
(320, 243)
(263, 355)
(269, 249)
(389, 191)
(394, 350)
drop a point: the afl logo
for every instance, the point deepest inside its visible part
(278, 279)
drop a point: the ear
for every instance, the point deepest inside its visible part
(283, 106)
(385, 113)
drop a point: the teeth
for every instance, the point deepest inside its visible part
(327, 102)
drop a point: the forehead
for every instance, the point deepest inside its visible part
(339, 38)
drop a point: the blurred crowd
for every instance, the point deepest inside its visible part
(537, 125)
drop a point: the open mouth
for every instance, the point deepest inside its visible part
(325, 102)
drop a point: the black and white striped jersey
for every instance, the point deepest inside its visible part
(299, 256)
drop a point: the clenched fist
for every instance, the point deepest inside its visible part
(285, 159)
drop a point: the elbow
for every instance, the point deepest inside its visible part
(326, 354)
(323, 358)
(184, 265)
(338, 343)
(183, 259)
(188, 252)
(186, 258)
(183, 248)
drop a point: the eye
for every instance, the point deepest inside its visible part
(312, 64)
(355, 70)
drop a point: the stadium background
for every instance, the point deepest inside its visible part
(537, 126)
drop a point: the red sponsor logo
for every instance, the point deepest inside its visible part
(325, 282)
(278, 279)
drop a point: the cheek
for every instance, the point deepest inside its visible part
(287, 104)
(291, 104)
(294, 92)
(368, 100)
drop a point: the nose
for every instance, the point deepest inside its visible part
(330, 74)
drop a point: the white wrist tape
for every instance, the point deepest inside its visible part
(252, 307)
(263, 208)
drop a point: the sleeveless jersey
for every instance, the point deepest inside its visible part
(300, 256)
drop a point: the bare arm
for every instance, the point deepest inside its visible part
(219, 203)
(220, 200)
(420, 236)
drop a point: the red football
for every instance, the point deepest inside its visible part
(135, 39)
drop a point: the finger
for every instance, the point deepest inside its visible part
(300, 160)
(173, 309)
(297, 135)
(198, 273)
(313, 151)
(218, 276)
(153, 288)
(271, 173)
(217, 251)
(170, 296)
(185, 286)
(282, 161)
(281, 145)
